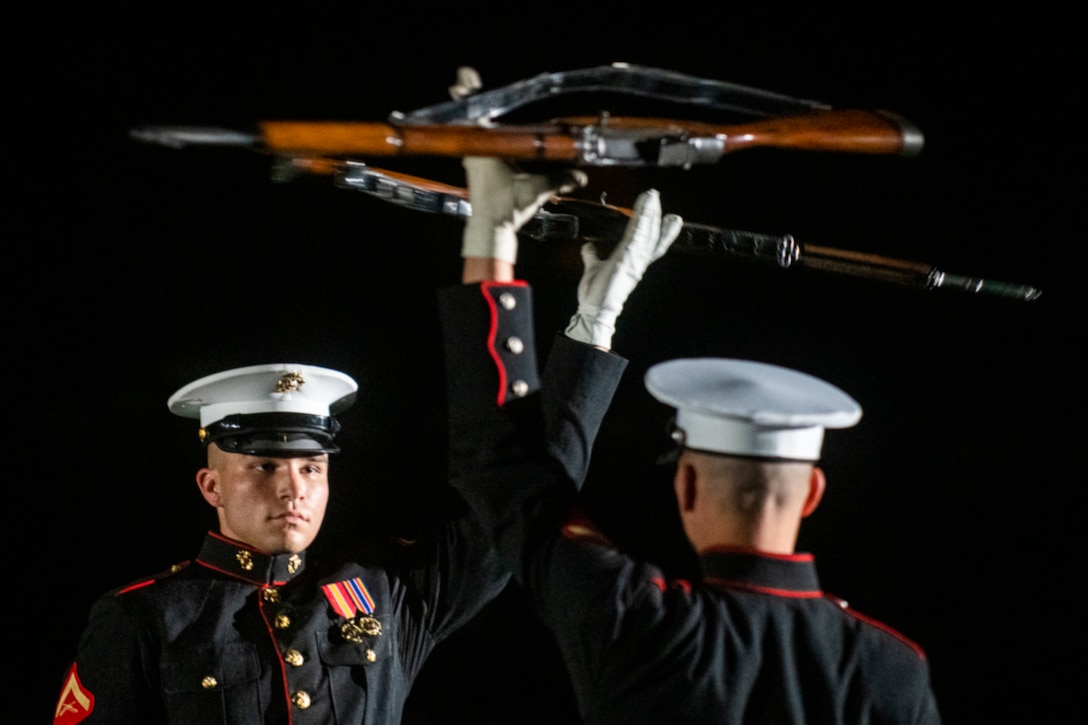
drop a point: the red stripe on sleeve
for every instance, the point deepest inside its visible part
(493, 331)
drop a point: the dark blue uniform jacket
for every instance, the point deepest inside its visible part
(756, 641)
(239, 637)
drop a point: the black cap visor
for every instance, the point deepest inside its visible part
(280, 435)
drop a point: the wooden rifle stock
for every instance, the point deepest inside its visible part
(380, 139)
(470, 125)
(599, 141)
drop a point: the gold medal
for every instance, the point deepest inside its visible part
(371, 627)
(351, 632)
(361, 627)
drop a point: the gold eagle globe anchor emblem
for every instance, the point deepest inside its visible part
(361, 627)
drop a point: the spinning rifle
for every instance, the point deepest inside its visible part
(565, 218)
(469, 125)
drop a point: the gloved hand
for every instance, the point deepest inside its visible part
(606, 284)
(503, 199)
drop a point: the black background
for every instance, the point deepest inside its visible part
(951, 508)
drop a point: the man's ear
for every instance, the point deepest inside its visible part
(684, 484)
(817, 482)
(207, 480)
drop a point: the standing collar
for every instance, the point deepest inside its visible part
(244, 562)
(791, 575)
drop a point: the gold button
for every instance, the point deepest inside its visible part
(209, 683)
(507, 301)
(515, 345)
(520, 388)
(293, 657)
(271, 595)
(301, 699)
(370, 655)
(282, 621)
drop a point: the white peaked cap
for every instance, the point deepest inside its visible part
(282, 409)
(272, 388)
(745, 408)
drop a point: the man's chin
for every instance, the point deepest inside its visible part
(293, 545)
(290, 542)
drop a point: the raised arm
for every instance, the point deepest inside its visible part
(495, 413)
(576, 392)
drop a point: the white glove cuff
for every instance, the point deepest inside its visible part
(592, 329)
(495, 242)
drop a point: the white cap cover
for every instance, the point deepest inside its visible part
(745, 408)
(254, 406)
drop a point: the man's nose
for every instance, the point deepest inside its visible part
(293, 485)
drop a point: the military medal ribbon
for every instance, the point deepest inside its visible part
(349, 596)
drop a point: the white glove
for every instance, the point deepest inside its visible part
(468, 83)
(503, 199)
(606, 284)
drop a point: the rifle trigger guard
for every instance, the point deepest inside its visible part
(549, 226)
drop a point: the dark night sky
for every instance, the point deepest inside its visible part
(134, 269)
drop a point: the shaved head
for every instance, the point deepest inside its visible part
(747, 484)
(745, 502)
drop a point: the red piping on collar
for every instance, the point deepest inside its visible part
(235, 542)
(799, 556)
(773, 591)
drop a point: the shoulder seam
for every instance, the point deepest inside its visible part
(877, 624)
(141, 583)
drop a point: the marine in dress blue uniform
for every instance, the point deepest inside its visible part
(242, 635)
(757, 640)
